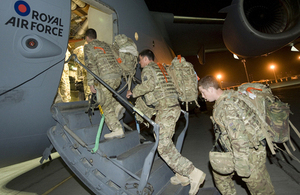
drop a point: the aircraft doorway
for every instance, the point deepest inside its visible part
(73, 85)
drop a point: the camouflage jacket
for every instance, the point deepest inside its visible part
(154, 87)
(99, 58)
(240, 129)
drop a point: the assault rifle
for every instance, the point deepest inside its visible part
(219, 146)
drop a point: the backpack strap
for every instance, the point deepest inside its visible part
(263, 122)
(288, 151)
(268, 139)
(172, 74)
(266, 134)
(295, 129)
(100, 49)
(162, 69)
(197, 104)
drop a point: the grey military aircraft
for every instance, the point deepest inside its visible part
(34, 39)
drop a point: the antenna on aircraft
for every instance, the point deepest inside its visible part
(244, 62)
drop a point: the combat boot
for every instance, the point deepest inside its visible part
(179, 179)
(120, 110)
(197, 177)
(115, 134)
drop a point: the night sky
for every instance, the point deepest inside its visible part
(196, 8)
(232, 70)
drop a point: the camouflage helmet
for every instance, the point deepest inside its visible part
(222, 162)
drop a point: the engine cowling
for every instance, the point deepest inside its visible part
(259, 27)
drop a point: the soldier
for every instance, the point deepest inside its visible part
(159, 91)
(82, 72)
(244, 150)
(100, 60)
(64, 90)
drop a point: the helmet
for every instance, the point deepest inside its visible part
(221, 162)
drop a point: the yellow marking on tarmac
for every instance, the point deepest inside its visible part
(50, 190)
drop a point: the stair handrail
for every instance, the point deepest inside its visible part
(111, 90)
(180, 138)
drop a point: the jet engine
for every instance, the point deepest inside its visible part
(259, 27)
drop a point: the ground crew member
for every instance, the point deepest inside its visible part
(101, 61)
(237, 137)
(159, 91)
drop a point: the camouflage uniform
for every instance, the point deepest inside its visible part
(101, 61)
(79, 52)
(241, 134)
(163, 97)
(64, 85)
(64, 90)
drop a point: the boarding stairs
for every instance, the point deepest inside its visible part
(126, 166)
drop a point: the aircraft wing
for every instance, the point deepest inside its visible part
(189, 35)
(251, 28)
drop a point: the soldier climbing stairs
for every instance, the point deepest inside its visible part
(119, 166)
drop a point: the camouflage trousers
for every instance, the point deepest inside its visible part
(259, 182)
(64, 85)
(86, 88)
(166, 119)
(109, 103)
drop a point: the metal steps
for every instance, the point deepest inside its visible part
(120, 166)
(116, 161)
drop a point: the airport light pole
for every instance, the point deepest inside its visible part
(273, 68)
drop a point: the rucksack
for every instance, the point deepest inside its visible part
(273, 113)
(126, 54)
(185, 80)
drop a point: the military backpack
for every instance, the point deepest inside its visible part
(272, 112)
(126, 54)
(185, 80)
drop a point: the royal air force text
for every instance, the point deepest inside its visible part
(40, 25)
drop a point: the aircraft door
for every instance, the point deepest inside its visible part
(34, 38)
